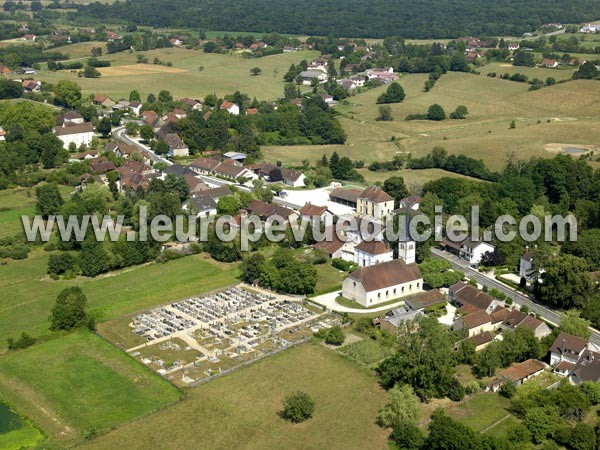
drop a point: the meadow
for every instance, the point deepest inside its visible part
(27, 294)
(80, 385)
(220, 74)
(564, 113)
(241, 409)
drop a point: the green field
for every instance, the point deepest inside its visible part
(241, 409)
(16, 432)
(27, 293)
(222, 74)
(481, 411)
(79, 384)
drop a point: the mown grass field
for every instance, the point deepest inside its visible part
(27, 294)
(221, 74)
(79, 384)
(241, 409)
(481, 410)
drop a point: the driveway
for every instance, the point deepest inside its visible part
(328, 300)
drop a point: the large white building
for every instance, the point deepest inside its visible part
(383, 282)
(374, 202)
(75, 133)
(369, 253)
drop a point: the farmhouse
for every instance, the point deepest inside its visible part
(463, 294)
(78, 134)
(369, 253)
(31, 85)
(269, 172)
(374, 202)
(383, 282)
(550, 63)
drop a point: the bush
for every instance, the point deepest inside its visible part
(508, 390)
(341, 264)
(24, 341)
(298, 407)
(456, 391)
(335, 336)
(60, 263)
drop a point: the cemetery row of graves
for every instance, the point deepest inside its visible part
(195, 339)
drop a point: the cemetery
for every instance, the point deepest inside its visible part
(195, 339)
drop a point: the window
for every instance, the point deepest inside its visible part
(394, 290)
(387, 293)
(418, 285)
(402, 288)
(379, 295)
(410, 287)
(354, 283)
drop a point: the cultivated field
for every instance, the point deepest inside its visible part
(241, 409)
(78, 385)
(221, 74)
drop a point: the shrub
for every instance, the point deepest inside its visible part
(508, 390)
(335, 336)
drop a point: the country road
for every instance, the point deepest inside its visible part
(546, 313)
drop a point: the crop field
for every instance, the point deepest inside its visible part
(560, 73)
(82, 49)
(220, 74)
(27, 293)
(243, 408)
(86, 386)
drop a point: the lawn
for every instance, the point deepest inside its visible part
(481, 410)
(241, 409)
(27, 293)
(85, 386)
(221, 74)
(328, 279)
(532, 72)
(367, 352)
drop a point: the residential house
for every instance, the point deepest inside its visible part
(481, 340)
(232, 171)
(150, 118)
(269, 172)
(374, 202)
(513, 46)
(550, 63)
(383, 282)
(72, 118)
(382, 74)
(179, 171)
(192, 103)
(195, 185)
(265, 210)
(203, 206)
(587, 368)
(463, 294)
(231, 108)
(31, 85)
(78, 134)
(135, 108)
(475, 322)
(567, 349)
(396, 318)
(103, 100)
(313, 212)
(102, 167)
(176, 146)
(411, 202)
(425, 300)
(307, 76)
(468, 249)
(204, 166)
(517, 319)
(251, 111)
(217, 192)
(369, 253)
(333, 247)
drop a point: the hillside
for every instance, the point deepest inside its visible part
(377, 18)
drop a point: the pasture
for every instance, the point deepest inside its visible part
(86, 386)
(241, 409)
(219, 74)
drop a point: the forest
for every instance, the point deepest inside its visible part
(376, 19)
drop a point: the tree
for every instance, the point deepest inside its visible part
(385, 113)
(523, 58)
(49, 200)
(132, 129)
(508, 390)
(146, 133)
(572, 323)
(586, 246)
(447, 434)
(587, 71)
(60, 263)
(10, 89)
(298, 407)
(228, 205)
(408, 437)
(395, 187)
(134, 96)
(335, 336)
(513, 125)
(91, 72)
(393, 94)
(436, 112)
(251, 267)
(67, 93)
(566, 282)
(164, 96)
(541, 422)
(69, 311)
(93, 259)
(459, 113)
(582, 437)
(255, 71)
(104, 127)
(402, 408)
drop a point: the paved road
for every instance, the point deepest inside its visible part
(546, 313)
(119, 133)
